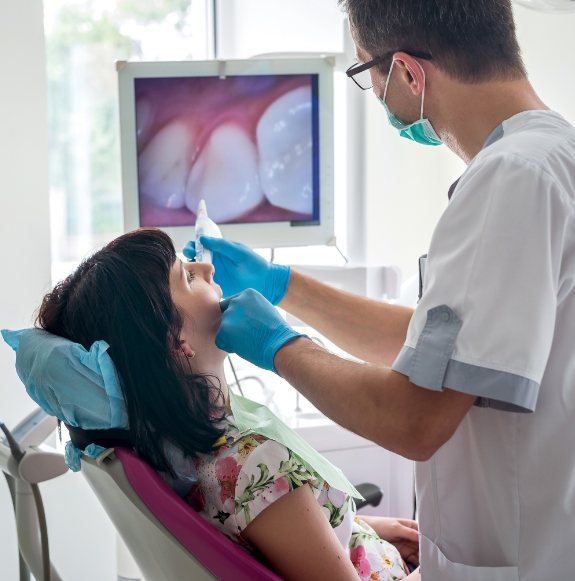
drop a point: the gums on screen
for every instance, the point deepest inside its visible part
(247, 145)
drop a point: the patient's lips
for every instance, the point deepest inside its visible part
(225, 175)
(284, 136)
(165, 164)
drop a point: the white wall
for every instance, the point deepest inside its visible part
(79, 528)
(24, 234)
(24, 223)
(548, 44)
(407, 187)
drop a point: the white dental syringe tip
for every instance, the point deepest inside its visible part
(202, 211)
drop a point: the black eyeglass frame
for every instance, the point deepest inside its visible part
(357, 68)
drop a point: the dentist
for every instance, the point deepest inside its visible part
(478, 383)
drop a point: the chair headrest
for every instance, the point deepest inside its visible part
(82, 389)
(79, 387)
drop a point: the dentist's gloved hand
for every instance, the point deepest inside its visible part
(239, 268)
(252, 328)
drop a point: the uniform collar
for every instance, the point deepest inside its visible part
(494, 136)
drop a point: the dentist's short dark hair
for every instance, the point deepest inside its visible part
(470, 40)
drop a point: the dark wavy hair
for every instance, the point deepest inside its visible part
(121, 294)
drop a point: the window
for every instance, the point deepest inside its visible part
(83, 39)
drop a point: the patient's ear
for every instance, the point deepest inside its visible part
(182, 348)
(186, 350)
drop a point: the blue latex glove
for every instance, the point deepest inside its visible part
(239, 268)
(252, 328)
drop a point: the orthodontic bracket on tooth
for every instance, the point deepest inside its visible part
(222, 69)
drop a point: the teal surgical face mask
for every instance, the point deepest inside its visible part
(421, 131)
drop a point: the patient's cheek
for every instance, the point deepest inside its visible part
(206, 312)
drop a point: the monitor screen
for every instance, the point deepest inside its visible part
(246, 144)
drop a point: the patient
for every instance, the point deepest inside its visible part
(160, 317)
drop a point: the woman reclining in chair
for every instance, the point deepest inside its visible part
(160, 317)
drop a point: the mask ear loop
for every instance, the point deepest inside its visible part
(387, 82)
(423, 92)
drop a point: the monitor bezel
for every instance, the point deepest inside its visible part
(255, 235)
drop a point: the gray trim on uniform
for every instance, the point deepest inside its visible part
(494, 136)
(422, 266)
(434, 348)
(494, 389)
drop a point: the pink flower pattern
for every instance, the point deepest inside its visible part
(196, 498)
(231, 484)
(358, 557)
(227, 471)
(329, 494)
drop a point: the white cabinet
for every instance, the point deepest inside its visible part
(363, 461)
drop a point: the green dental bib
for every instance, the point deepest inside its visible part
(252, 417)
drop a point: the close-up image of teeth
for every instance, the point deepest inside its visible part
(284, 136)
(165, 165)
(225, 175)
(244, 144)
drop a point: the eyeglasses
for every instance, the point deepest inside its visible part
(360, 75)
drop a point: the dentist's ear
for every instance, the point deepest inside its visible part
(411, 71)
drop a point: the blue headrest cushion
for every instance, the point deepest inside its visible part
(81, 388)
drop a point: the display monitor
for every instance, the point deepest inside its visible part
(254, 139)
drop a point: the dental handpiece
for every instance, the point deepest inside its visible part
(205, 227)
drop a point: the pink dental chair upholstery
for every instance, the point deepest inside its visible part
(167, 538)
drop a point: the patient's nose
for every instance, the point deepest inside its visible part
(205, 270)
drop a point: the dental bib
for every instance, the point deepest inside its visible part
(251, 417)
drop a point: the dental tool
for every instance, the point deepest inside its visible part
(204, 227)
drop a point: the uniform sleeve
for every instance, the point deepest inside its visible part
(485, 322)
(269, 472)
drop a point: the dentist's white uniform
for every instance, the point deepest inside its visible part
(497, 320)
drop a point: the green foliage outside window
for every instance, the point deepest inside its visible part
(82, 42)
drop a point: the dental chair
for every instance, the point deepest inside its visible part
(25, 462)
(168, 540)
(172, 542)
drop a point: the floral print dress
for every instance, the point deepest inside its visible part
(248, 473)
